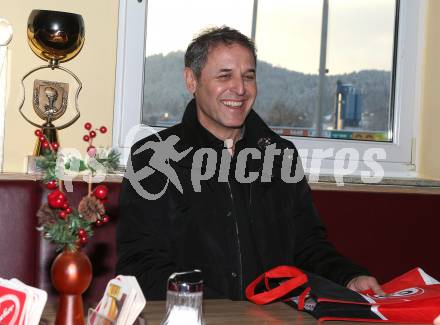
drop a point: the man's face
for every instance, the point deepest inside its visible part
(226, 88)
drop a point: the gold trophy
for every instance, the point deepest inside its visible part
(55, 37)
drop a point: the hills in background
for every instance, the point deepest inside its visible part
(285, 97)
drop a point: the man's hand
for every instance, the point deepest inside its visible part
(364, 282)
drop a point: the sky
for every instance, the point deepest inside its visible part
(288, 35)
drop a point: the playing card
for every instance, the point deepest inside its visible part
(13, 301)
(138, 301)
(37, 300)
(122, 302)
(116, 297)
(126, 288)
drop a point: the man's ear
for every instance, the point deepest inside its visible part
(190, 80)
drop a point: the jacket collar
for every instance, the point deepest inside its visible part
(256, 133)
(194, 134)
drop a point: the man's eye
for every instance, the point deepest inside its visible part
(250, 77)
(224, 76)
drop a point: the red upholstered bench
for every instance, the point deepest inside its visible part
(388, 233)
(19, 200)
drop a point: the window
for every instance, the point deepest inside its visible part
(360, 82)
(165, 96)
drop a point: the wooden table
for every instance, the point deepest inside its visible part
(223, 312)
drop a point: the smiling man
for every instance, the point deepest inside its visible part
(225, 89)
(233, 231)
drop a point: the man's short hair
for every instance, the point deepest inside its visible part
(197, 51)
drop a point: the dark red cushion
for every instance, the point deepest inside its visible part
(19, 201)
(388, 233)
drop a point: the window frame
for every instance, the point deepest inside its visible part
(400, 161)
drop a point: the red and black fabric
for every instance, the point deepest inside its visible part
(413, 297)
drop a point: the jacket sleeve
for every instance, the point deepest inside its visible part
(142, 238)
(313, 252)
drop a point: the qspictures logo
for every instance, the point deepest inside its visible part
(163, 152)
(205, 164)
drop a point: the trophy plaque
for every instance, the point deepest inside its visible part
(55, 37)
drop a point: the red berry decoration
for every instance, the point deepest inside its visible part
(83, 240)
(91, 151)
(71, 227)
(60, 195)
(52, 194)
(60, 202)
(56, 199)
(51, 185)
(57, 203)
(101, 192)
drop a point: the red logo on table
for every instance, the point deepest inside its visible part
(409, 292)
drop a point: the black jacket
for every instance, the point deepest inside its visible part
(182, 231)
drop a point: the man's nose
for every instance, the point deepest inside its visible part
(238, 85)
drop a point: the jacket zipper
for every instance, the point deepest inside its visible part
(238, 244)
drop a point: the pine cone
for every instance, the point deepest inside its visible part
(91, 208)
(46, 215)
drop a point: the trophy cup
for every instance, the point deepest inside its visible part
(55, 37)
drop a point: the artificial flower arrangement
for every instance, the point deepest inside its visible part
(65, 226)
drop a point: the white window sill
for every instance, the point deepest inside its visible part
(386, 185)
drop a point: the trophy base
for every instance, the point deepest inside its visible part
(51, 136)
